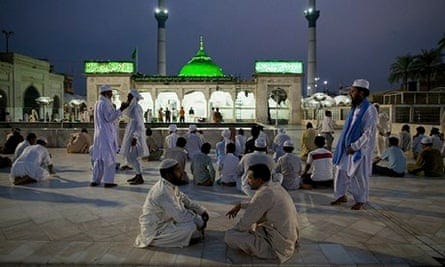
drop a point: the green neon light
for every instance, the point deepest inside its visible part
(109, 67)
(292, 67)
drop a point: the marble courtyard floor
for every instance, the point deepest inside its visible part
(64, 221)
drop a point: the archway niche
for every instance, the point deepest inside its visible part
(197, 101)
(245, 106)
(29, 101)
(168, 100)
(278, 103)
(224, 102)
(55, 116)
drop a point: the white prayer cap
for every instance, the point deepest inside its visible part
(427, 140)
(361, 83)
(281, 130)
(172, 128)
(43, 139)
(105, 88)
(167, 163)
(288, 143)
(135, 93)
(260, 142)
(225, 133)
(192, 127)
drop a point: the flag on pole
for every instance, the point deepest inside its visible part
(134, 56)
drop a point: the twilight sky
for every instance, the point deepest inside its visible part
(355, 38)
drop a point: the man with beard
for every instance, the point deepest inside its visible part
(353, 156)
(105, 145)
(269, 227)
(169, 218)
(134, 146)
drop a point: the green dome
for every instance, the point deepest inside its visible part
(201, 65)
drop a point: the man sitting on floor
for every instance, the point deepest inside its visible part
(395, 158)
(269, 227)
(429, 161)
(79, 142)
(318, 170)
(169, 218)
(31, 166)
(227, 167)
(30, 140)
(202, 167)
(289, 165)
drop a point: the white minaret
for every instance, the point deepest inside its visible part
(311, 15)
(161, 15)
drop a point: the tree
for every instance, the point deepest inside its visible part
(402, 69)
(441, 43)
(428, 65)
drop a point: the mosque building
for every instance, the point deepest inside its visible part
(274, 92)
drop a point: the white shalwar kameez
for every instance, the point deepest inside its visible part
(355, 174)
(256, 157)
(383, 127)
(169, 218)
(20, 148)
(193, 145)
(105, 145)
(277, 145)
(135, 129)
(31, 162)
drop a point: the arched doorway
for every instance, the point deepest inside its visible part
(245, 106)
(168, 100)
(197, 101)
(55, 116)
(224, 102)
(278, 106)
(29, 101)
(147, 106)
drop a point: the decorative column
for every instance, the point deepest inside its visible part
(161, 15)
(311, 15)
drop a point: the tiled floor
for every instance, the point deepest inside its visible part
(63, 220)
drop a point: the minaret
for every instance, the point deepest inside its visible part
(161, 15)
(311, 15)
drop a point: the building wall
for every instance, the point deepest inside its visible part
(260, 87)
(120, 83)
(18, 73)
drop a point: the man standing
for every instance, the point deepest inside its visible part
(353, 156)
(269, 227)
(169, 218)
(105, 145)
(307, 140)
(327, 128)
(383, 130)
(134, 145)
